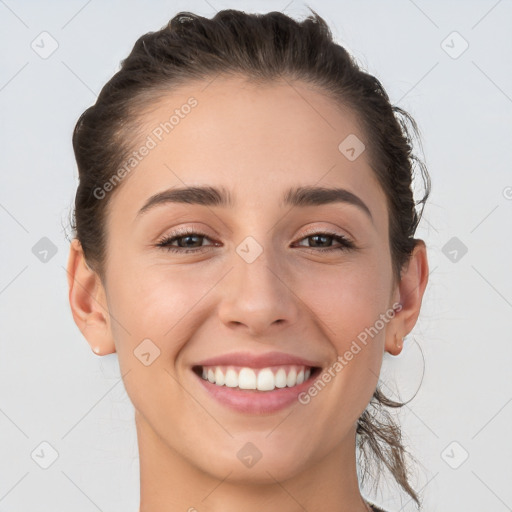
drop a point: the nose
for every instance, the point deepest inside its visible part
(258, 297)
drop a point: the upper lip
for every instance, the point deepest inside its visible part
(257, 360)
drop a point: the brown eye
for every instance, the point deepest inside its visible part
(188, 241)
(324, 239)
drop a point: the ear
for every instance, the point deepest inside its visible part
(88, 303)
(409, 294)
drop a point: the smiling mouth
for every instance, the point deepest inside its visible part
(257, 379)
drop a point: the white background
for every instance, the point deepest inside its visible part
(53, 388)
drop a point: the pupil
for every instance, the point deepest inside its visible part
(188, 238)
(316, 237)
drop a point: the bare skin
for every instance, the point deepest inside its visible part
(294, 297)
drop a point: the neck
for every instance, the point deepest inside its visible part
(171, 483)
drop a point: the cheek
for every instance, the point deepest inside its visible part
(348, 300)
(353, 308)
(161, 305)
(156, 302)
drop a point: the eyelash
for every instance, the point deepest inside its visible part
(164, 243)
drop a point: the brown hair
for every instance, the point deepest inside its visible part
(263, 48)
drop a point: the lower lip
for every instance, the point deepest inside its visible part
(256, 402)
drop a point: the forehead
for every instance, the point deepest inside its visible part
(255, 140)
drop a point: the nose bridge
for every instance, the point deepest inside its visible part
(257, 294)
(256, 257)
(257, 269)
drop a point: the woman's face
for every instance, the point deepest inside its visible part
(263, 275)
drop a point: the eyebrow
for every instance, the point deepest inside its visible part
(221, 197)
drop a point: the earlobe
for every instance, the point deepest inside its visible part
(88, 302)
(396, 346)
(411, 288)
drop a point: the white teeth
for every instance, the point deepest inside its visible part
(219, 377)
(264, 379)
(292, 377)
(231, 379)
(280, 378)
(247, 379)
